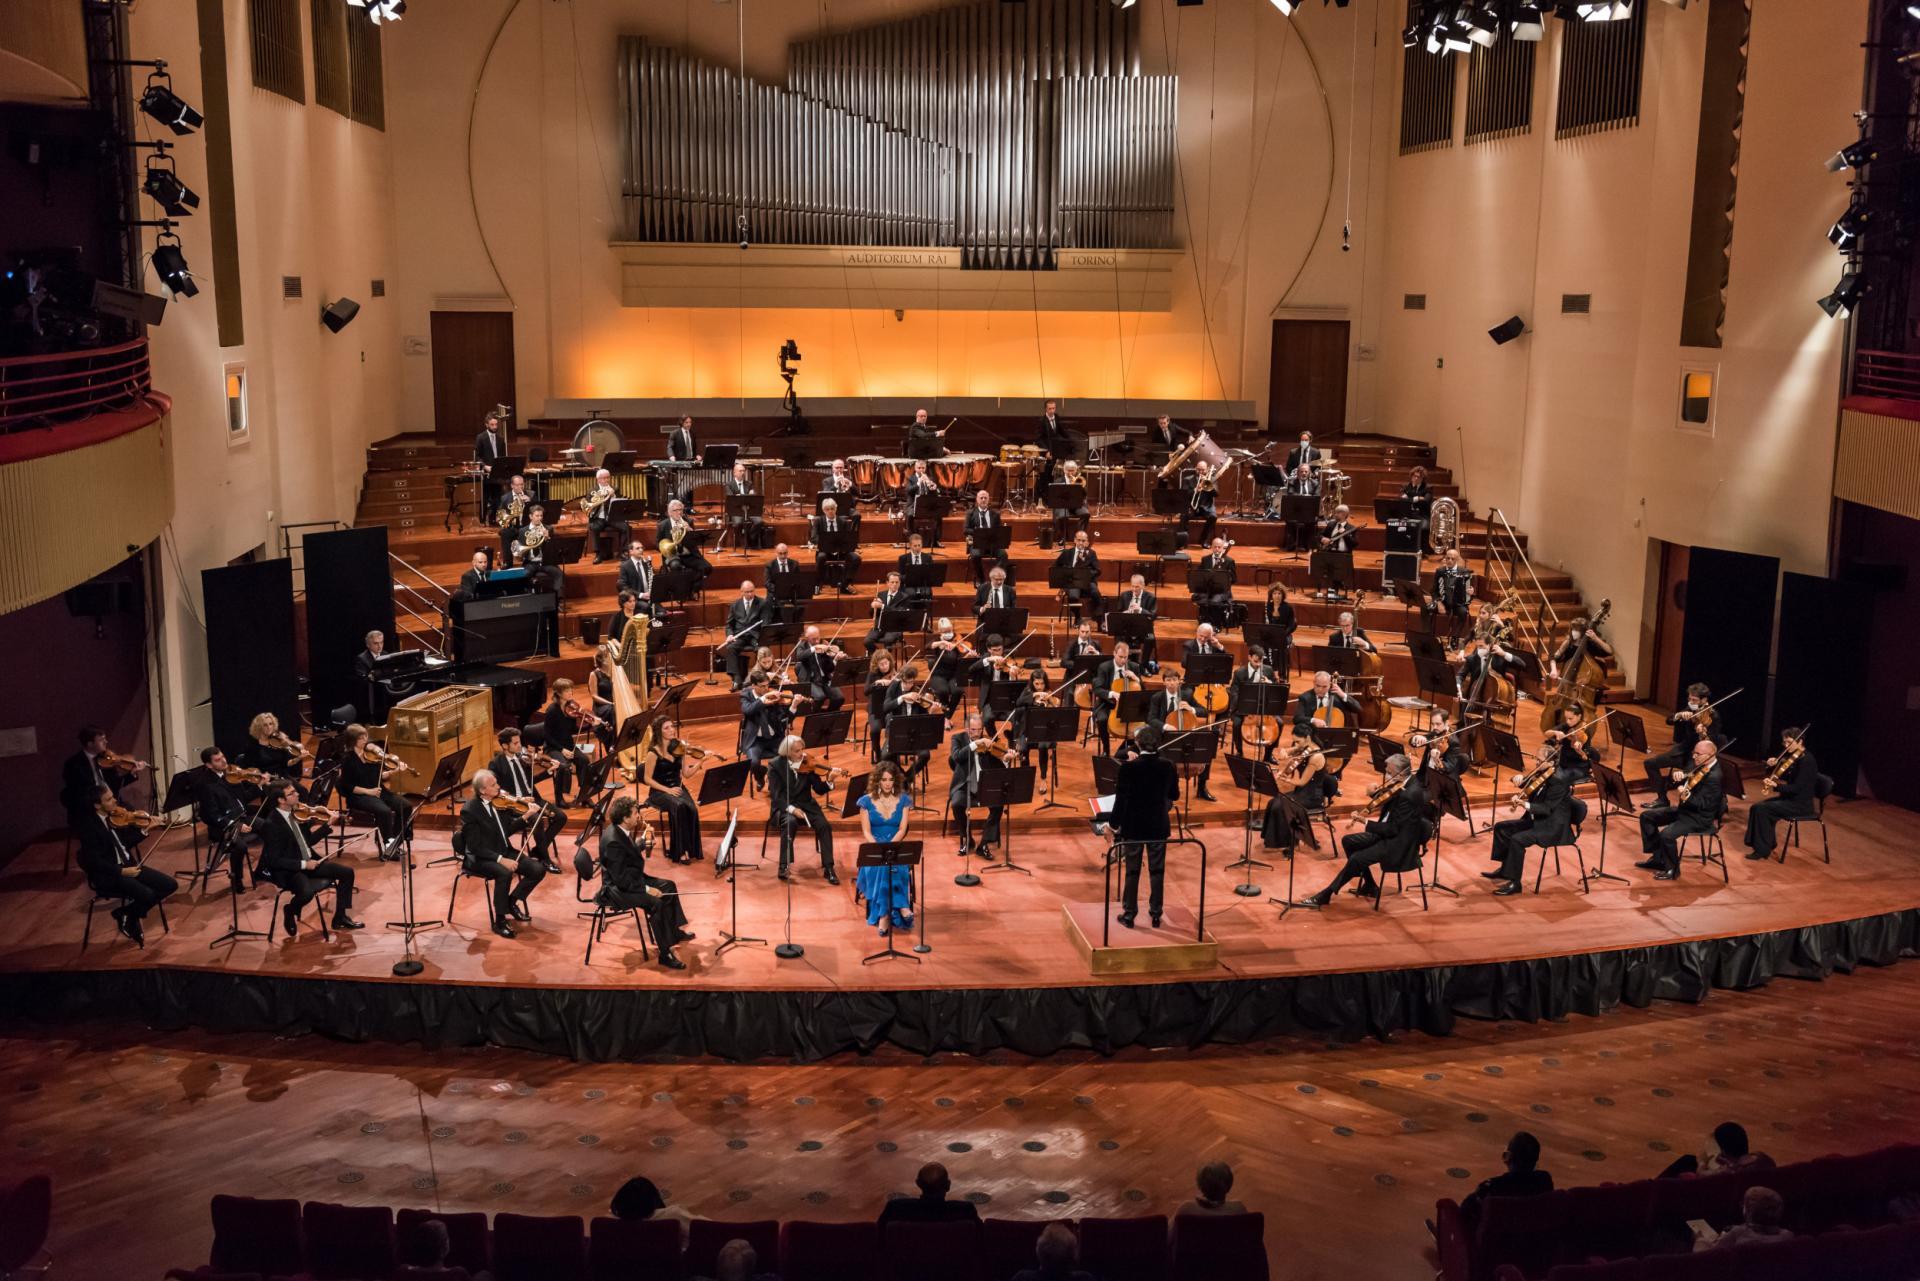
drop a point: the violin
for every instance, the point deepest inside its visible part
(1781, 765)
(513, 804)
(959, 647)
(1298, 764)
(294, 749)
(237, 774)
(1377, 798)
(812, 763)
(995, 746)
(120, 816)
(389, 763)
(681, 747)
(921, 698)
(586, 718)
(1525, 785)
(1696, 776)
(305, 813)
(111, 759)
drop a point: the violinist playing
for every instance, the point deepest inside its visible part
(1791, 786)
(1304, 784)
(1686, 735)
(1174, 709)
(1439, 749)
(1038, 693)
(93, 766)
(626, 887)
(1548, 821)
(793, 786)
(911, 695)
(1116, 671)
(813, 661)
(994, 665)
(514, 767)
(488, 823)
(1391, 841)
(274, 753)
(1249, 675)
(972, 752)
(880, 679)
(765, 715)
(1662, 828)
(224, 813)
(663, 768)
(288, 860)
(111, 868)
(562, 725)
(364, 771)
(1574, 744)
(947, 660)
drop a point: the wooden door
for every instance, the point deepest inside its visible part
(1307, 380)
(472, 369)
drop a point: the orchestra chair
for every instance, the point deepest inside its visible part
(829, 1251)
(621, 1249)
(535, 1247)
(1399, 874)
(273, 914)
(461, 873)
(953, 1251)
(1578, 819)
(1133, 1249)
(705, 1237)
(1226, 1247)
(26, 1215)
(584, 870)
(349, 1241)
(1708, 847)
(107, 900)
(469, 1240)
(1822, 789)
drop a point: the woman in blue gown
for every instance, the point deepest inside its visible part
(883, 819)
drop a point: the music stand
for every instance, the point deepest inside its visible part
(915, 735)
(744, 512)
(1615, 798)
(898, 622)
(1004, 789)
(719, 457)
(1503, 752)
(1451, 798)
(728, 859)
(835, 550)
(929, 513)
(1268, 476)
(1333, 571)
(1135, 629)
(1251, 777)
(1195, 747)
(890, 855)
(1299, 511)
(236, 833)
(856, 788)
(1435, 676)
(1050, 727)
(1165, 501)
(922, 579)
(674, 585)
(824, 729)
(992, 542)
(1062, 578)
(1010, 623)
(796, 584)
(1628, 730)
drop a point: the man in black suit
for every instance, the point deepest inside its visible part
(224, 813)
(1104, 700)
(675, 527)
(924, 440)
(1303, 454)
(1548, 821)
(835, 557)
(746, 619)
(1338, 532)
(792, 796)
(967, 762)
(925, 507)
(1686, 736)
(491, 443)
(813, 663)
(1348, 634)
(1252, 674)
(1055, 444)
(1453, 593)
(287, 858)
(365, 664)
(1167, 434)
(888, 597)
(982, 516)
(1310, 709)
(915, 556)
(1081, 557)
(486, 850)
(680, 442)
(625, 885)
(1661, 828)
(780, 589)
(750, 531)
(1173, 695)
(1299, 534)
(474, 575)
(82, 772)
(763, 721)
(512, 506)
(636, 574)
(514, 772)
(1391, 841)
(1217, 560)
(1522, 1177)
(1793, 797)
(995, 593)
(932, 1205)
(1147, 788)
(1205, 642)
(112, 870)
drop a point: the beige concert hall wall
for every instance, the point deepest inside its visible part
(312, 201)
(1263, 108)
(1572, 429)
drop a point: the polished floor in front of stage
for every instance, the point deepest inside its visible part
(1008, 932)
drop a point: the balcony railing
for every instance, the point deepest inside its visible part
(45, 391)
(1890, 375)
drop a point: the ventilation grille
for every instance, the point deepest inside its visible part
(1576, 304)
(379, 289)
(1416, 302)
(275, 25)
(290, 287)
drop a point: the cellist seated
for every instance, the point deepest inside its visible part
(1324, 707)
(1112, 678)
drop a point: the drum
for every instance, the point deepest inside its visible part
(1032, 451)
(1009, 453)
(598, 438)
(894, 473)
(961, 472)
(865, 469)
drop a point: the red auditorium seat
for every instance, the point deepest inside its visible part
(1891, 1253)
(1125, 1249)
(538, 1247)
(1606, 1222)
(1009, 1245)
(706, 1236)
(934, 1251)
(254, 1235)
(1709, 1265)
(829, 1251)
(470, 1243)
(1715, 1198)
(345, 1242)
(634, 1250)
(1523, 1231)
(1225, 1247)
(26, 1212)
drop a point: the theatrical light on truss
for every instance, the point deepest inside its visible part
(164, 185)
(1606, 10)
(1286, 7)
(1479, 26)
(1529, 22)
(381, 10)
(1856, 155)
(1847, 294)
(169, 108)
(1851, 224)
(171, 266)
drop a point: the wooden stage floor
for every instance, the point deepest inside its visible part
(1008, 932)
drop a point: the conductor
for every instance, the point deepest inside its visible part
(1147, 788)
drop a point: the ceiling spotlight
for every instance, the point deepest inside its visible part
(1847, 294)
(1856, 155)
(1481, 27)
(164, 185)
(1606, 10)
(381, 10)
(1913, 11)
(166, 106)
(1529, 22)
(171, 266)
(1454, 39)
(1286, 7)
(1123, 4)
(1411, 36)
(1850, 226)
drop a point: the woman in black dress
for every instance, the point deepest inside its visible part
(277, 755)
(662, 771)
(1038, 693)
(363, 781)
(879, 677)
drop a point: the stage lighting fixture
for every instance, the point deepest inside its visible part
(1123, 4)
(164, 185)
(1913, 11)
(1529, 22)
(1606, 10)
(1286, 7)
(171, 266)
(1481, 27)
(1411, 36)
(1850, 226)
(1847, 294)
(1856, 155)
(166, 106)
(381, 10)
(1507, 330)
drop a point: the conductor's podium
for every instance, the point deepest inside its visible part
(1178, 944)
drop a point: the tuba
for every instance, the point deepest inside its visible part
(1444, 525)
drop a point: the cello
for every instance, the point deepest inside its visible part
(1123, 683)
(1581, 679)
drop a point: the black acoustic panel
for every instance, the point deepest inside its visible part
(250, 659)
(1820, 675)
(1728, 637)
(349, 593)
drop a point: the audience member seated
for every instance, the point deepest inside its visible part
(1761, 1210)
(1731, 1151)
(1056, 1252)
(639, 1199)
(1523, 1177)
(423, 1256)
(932, 1205)
(1214, 1181)
(738, 1261)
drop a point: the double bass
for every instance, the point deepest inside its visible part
(1582, 678)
